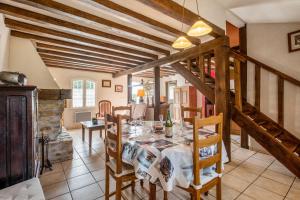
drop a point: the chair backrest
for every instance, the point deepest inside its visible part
(113, 140)
(122, 109)
(191, 111)
(104, 107)
(215, 139)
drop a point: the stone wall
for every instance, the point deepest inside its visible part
(50, 114)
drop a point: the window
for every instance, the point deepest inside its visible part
(135, 87)
(84, 93)
(90, 93)
(170, 87)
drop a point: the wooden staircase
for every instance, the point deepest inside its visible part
(282, 144)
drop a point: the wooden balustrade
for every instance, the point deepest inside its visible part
(282, 77)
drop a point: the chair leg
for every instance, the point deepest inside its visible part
(219, 190)
(197, 195)
(133, 186)
(118, 188)
(142, 183)
(165, 195)
(107, 183)
(192, 196)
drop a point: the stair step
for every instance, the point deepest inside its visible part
(288, 141)
(297, 151)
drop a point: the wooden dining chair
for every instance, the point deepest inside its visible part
(192, 112)
(123, 110)
(120, 171)
(201, 182)
(104, 106)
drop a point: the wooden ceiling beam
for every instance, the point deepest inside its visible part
(80, 57)
(33, 16)
(47, 60)
(17, 25)
(174, 10)
(135, 17)
(79, 13)
(177, 57)
(78, 46)
(86, 53)
(76, 60)
(78, 68)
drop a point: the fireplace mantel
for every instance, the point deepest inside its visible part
(54, 94)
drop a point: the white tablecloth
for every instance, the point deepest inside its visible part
(167, 160)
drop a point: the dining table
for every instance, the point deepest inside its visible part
(161, 160)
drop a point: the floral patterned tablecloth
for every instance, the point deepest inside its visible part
(167, 160)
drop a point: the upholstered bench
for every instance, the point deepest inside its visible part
(27, 190)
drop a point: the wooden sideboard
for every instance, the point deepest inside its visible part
(18, 128)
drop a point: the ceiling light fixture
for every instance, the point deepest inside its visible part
(199, 28)
(181, 42)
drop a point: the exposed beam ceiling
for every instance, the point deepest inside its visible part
(139, 18)
(174, 10)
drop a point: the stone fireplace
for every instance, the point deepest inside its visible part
(51, 104)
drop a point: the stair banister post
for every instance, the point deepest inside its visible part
(237, 84)
(222, 90)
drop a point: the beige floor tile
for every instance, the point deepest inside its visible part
(171, 196)
(281, 178)
(296, 183)
(235, 182)
(259, 162)
(63, 197)
(81, 181)
(56, 167)
(97, 165)
(260, 193)
(88, 153)
(52, 178)
(242, 154)
(143, 192)
(265, 157)
(244, 197)
(55, 190)
(272, 186)
(112, 185)
(90, 192)
(99, 175)
(243, 174)
(76, 171)
(227, 193)
(129, 195)
(278, 167)
(72, 163)
(180, 194)
(91, 159)
(253, 168)
(229, 167)
(294, 193)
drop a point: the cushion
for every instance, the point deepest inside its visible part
(27, 190)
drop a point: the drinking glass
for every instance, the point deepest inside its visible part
(161, 118)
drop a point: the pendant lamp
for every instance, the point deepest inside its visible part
(199, 28)
(182, 42)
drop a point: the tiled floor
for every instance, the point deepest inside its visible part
(250, 175)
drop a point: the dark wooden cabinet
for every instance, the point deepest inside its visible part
(17, 133)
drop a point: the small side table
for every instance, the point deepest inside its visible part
(92, 127)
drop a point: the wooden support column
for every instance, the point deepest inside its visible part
(222, 90)
(243, 77)
(201, 66)
(280, 101)
(129, 89)
(157, 92)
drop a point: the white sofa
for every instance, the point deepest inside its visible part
(27, 190)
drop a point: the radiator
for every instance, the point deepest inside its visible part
(83, 116)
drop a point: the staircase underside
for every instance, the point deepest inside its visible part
(283, 145)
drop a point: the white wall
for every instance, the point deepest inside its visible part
(4, 44)
(24, 58)
(268, 43)
(64, 79)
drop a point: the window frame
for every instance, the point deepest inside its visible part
(84, 92)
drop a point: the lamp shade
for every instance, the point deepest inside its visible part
(141, 93)
(181, 43)
(200, 28)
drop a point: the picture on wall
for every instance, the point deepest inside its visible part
(294, 41)
(106, 83)
(118, 88)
